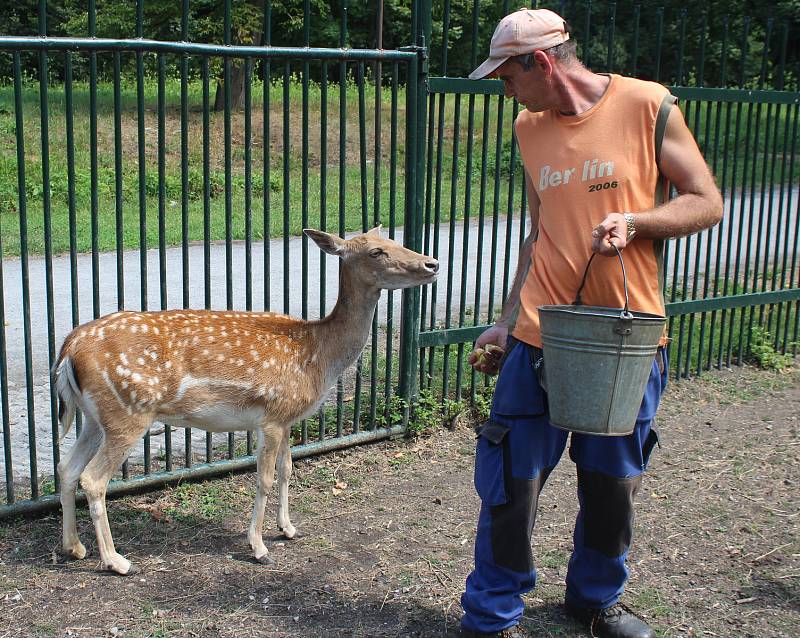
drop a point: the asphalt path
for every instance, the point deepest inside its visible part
(774, 227)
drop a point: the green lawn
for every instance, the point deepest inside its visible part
(738, 158)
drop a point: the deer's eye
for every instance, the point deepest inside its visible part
(376, 252)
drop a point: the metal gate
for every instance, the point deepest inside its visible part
(730, 289)
(113, 229)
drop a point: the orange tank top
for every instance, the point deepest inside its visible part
(583, 167)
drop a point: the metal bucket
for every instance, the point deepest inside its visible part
(597, 363)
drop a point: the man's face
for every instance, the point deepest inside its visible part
(529, 86)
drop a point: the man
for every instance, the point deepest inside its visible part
(587, 141)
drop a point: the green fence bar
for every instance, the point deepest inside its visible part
(25, 273)
(287, 78)
(266, 159)
(44, 119)
(8, 461)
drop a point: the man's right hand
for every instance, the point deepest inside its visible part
(489, 349)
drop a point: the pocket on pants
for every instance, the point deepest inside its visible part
(490, 463)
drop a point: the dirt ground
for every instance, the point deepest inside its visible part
(388, 532)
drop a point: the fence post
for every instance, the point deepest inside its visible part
(416, 100)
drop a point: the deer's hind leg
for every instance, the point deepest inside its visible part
(69, 471)
(284, 470)
(113, 451)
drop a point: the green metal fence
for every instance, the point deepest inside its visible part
(728, 288)
(139, 194)
(145, 197)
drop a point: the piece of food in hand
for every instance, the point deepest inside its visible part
(490, 351)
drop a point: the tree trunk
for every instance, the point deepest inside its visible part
(237, 89)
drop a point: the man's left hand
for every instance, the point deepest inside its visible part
(612, 231)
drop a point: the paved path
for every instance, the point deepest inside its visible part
(783, 224)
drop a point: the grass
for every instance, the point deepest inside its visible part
(294, 194)
(280, 201)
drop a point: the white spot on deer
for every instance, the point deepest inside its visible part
(313, 357)
(158, 396)
(205, 352)
(134, 329)
(220, 357)
(250, 371)
(123, 372)
(156, 330)
(140, 361)
(239, 362)
(168, 365)
(133, 395)
(108, 355)
(153, 355)
(136, 377)
(124, 385)
(145, 328)
(254, 354)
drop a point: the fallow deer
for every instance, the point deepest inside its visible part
(221, 371)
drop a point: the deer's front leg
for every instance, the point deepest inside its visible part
(268, 443)
(284, 474)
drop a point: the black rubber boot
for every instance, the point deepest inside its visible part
(616, 621)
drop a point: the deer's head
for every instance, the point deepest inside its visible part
(378, 261)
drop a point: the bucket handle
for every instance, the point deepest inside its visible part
(624, 327)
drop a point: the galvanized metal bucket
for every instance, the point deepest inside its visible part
(597, 363)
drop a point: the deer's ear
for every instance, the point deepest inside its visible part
(331, 244)
(375, 231)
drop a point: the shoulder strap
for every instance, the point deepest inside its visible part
(662, 186)
(661, 121)
(661, 126)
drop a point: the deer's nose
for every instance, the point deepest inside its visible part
(432, 266)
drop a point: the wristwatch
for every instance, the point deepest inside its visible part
(629, 220)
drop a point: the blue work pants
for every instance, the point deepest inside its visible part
(517, 448)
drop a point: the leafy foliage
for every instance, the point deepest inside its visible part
(713, 42)
(762, 351)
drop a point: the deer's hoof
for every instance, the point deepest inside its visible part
(266, 559)
(121, 569)
(77, 552)
(292, 534)
(133, 569)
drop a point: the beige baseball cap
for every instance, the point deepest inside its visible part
(521, 32)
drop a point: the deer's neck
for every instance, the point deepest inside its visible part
(342, 334)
